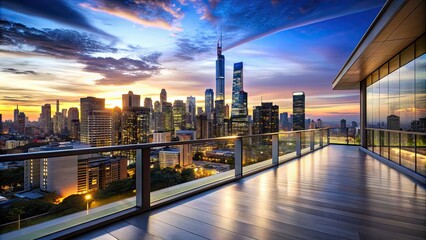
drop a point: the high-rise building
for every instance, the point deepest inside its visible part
(1, 124)
(135, 128)
(284, 121)
(319, 123)
(219, 118)
(96, 123)
(209, 103)
(239, 112)
(203, 127)
(148, 103)
(312, 124)
(343, 125)
(163, 96)
(167, 113)
(73, 114)
(157, 106)
(15, 117)
(46, 119)
(190, 109)
(58, 120)
(265, 118)
(220, 72)
(200, 110)
(179, 110)
(131, 100)
(226, 116)
(298, 111)
(21, 123)
(116, 126)
(393, 122)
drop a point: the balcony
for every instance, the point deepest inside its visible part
(319, 191)
(335, 192)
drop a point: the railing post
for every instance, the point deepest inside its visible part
(238, 154)
(399, 157)
(298, 143)
(143, 178)
(415, 152)
(328, 136)
(275, 150)
(321, 135)
(347, 136)
(312, 138)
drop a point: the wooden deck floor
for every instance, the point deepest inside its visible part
(336, 192)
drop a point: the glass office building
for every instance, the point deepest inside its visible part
(388, 66)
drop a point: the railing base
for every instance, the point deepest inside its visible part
(395, 166)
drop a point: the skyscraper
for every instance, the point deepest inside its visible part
(220, 72)
(298, 111)
(163, 96)
(239, 110)
(73, 123)
(284, 121)
(343, 125)
(46, 119)
(57, 120)
(190, 109)
(96, 124)
(1, 124)
(179, 110)
(135, 128)
(15, 117)
(148, 103)
(209, 103)
(21, 123)
(167, 112)
(116, 126)
(265, 118)
(131, 100)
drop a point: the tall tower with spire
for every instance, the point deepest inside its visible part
(220, 72)
(220, 91)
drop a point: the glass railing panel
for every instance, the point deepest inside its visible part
(324, 136)
(421, 154)
(181, 168)
(257, 153)
(408, 151)
(338, 136)
(370, 140)
(376, 141)
(394, 150)
(305, 142)
(317, 138)
(384, 143)
(354, 137)
(56, 193)
(286, 146)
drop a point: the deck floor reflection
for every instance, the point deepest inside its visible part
(336, 192)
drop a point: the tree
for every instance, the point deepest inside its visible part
(187, 175)
(51, 197)
(17, 211)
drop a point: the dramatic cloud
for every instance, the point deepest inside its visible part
(188, 48)
(70, 44)
(57, 10)
(158, 14)
(16, 71)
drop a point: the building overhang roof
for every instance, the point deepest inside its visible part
(397, 25)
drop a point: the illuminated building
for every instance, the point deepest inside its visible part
(298, 111)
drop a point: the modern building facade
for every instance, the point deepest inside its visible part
(87, 106)
(190, 110)
(46, 119)
(163, 96)
(131, 100)
(209, 103)
(388, 66)
(239, 112)
(220, 72)
(265, 118)
(298, 111)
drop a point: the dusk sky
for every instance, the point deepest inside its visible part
(67, 50)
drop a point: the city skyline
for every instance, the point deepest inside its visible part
(110, 60)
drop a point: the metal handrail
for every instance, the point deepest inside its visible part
(81, 151)
(398, 131)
